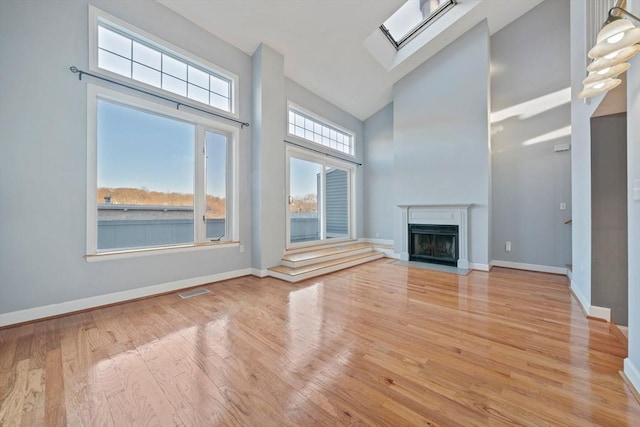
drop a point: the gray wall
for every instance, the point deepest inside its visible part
(530, 59)
(441, 135)
(378, 175)
(609, 215)
(43, 151)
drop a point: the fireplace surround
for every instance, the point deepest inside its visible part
(435, 216)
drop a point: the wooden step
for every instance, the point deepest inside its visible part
(296, 274)
(319, 255)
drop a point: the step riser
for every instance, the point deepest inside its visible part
(319, 259)
(325, 270)
(323, 246)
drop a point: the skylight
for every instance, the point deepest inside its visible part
(413, 17)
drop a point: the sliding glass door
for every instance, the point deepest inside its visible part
(319, 202)
(305, 197)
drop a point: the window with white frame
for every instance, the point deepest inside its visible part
(317, 130)
(119, 49)
(157, 177)
(413, 17)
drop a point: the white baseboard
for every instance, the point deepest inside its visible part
(259, 273)
(378, 241)
(603, 313)
(530, 267)
(389, 253)
(633, 374)
(582, 300)
(569, 274)
(478, 266)
(594, 311)
(67, 307)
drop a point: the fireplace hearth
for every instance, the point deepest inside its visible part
(434, 243)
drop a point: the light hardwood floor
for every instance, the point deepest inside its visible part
(377, 344)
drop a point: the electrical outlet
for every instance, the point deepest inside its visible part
(563, 206)
(241, 248)
(507, 246)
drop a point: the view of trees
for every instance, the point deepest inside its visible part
(215, 205)
(141, 196)
(308, 203)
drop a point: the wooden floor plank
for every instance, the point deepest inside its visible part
(378, 344)
(55, 413)
(12, 404)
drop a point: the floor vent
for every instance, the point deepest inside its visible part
(193, 293)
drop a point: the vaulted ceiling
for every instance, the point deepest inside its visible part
(323, 41)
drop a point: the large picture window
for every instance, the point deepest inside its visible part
(158, 178)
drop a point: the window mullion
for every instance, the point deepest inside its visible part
(199, 202)
(322, 199)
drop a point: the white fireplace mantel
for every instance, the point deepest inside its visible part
(439, 215)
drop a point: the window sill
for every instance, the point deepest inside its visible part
(134, 253)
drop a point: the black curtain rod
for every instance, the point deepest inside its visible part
(80, 73)
(322, 152)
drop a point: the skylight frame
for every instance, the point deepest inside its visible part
(437, 14)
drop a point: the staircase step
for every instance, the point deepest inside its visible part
(315, 256)
(296, 274)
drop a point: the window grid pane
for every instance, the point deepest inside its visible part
(157, 68)
(317, 132)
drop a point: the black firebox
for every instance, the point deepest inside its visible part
(432, 243)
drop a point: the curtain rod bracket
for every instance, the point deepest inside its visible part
(74, 69)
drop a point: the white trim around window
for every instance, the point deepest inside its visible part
(323, 123)
(325, 162)
(202, 125)
(97, 17)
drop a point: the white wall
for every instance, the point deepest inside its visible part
(580, 157)
(378, 172)
(632, 363)
(530, 60)
(43, 151)
(441, 138)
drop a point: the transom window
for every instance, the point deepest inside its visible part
(133, 56)
(314, 129)
(412, 18)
